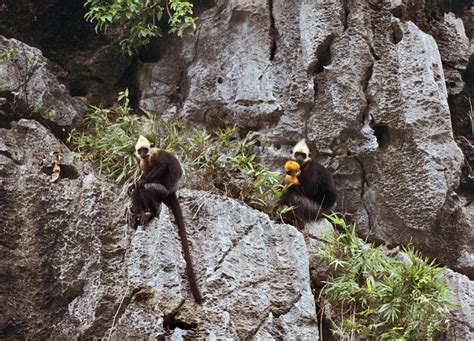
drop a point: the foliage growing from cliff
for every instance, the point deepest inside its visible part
(214, 162)
(379, 296)
(140, 18)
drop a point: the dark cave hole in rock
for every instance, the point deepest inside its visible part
(67, 171)
(466, 188)
(200, 6)
(8, 330)
(468, 76)
(273, 32)
(220, 80)
(77, 89)
(382, 133)
(152, 52)
(129, 81)
(323, 60)
(455, 6)
(170, 323)
(397, 33)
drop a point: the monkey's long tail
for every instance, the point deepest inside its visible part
(172, 202)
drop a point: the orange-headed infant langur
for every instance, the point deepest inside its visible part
(161, 172)
(312, 190)
(292, 170)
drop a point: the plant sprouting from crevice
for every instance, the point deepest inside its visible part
(140, 19)
(375, 295)
(216, 162)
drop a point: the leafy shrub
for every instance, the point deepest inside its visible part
(214, 162)
(105, 138)
(140, 18)
(379, 296)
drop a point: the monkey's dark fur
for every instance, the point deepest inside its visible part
(316, 192)
(161, 172)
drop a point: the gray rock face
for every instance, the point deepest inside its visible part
(30, 85)
(462, 326)
(60, 240)
(407, 196)
(253, 275)
(367, 89)
(72, 268)
(92, 63)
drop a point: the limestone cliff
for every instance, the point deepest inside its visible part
(382, 90)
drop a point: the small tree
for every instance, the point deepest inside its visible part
(140, 18)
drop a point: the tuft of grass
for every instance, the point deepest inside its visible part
(379, 296)
(216, 162)
(105, 138)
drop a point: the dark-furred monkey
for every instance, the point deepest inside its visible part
(310, 187)
(158, 183)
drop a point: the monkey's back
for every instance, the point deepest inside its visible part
(172, 171)
(318, 183)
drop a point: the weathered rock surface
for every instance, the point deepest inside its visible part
(364, 82)
(462, 325)
(72, 268)
(60, 240)
(28, 83)
(253, 275)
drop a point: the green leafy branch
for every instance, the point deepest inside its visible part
(140, 18)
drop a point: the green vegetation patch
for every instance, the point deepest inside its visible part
(374, 295)
(215, 162)
(139, 19)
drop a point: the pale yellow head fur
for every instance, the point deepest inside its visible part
(142, 143)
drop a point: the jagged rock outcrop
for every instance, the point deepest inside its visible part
(73, 269)
(462, 325)
(28, 83)
(366, 82)
(60, 239)
(253, 275)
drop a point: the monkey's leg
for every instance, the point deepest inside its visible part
(141, 207)
(137, 206)
(172, 202)
(158, 191)
(150, 204)
(306, 209)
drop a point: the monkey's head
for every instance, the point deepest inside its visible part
(292, 170)
(142, 148)
(301, 153)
